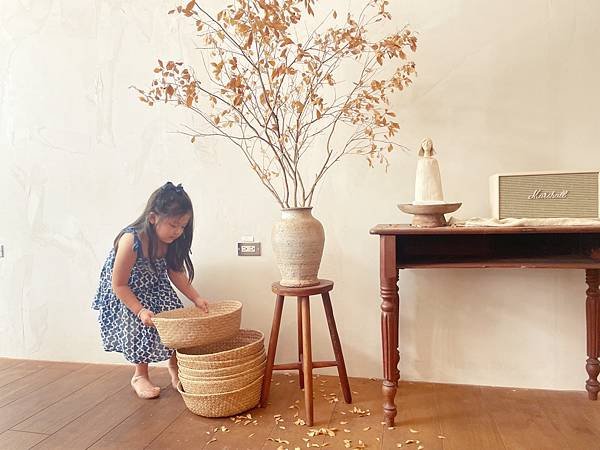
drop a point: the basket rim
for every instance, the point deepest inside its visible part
(182, 392)
(229, 362)
(261, 356)
(190, 377)
(260, 337)
(226, 381)
(237, 303)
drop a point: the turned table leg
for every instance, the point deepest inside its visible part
(389, 326)
(592, 309)
(395, 331)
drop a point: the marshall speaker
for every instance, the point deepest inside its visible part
(545, 194)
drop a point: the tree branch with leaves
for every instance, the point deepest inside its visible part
(271, 88)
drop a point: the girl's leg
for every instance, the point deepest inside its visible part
(173, 371)
(141, 383)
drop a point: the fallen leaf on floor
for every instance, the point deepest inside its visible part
(360, 412)
(321, 431)
(331, 398)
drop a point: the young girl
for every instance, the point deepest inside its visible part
(135, 283)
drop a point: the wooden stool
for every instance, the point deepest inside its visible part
(305, 363)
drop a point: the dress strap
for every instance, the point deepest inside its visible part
(137, 242)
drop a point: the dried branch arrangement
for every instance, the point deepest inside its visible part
(271, 87)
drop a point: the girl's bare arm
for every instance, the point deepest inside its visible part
(124, 262)
(182, 283)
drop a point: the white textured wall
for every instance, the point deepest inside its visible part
(502, 86)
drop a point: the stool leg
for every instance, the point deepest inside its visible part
(307, 361)
(300, 371)
(337, 348)
(272, 350)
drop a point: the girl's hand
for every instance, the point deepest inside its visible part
(202, 304)
(145, 315)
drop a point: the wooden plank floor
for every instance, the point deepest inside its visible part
(50, 405)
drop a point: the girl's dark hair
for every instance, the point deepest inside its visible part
(168, 201)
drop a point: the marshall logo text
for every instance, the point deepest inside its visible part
(540, 194)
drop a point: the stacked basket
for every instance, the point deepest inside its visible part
(221, 367)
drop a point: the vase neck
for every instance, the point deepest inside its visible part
(288, 213)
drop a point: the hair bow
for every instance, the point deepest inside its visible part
(170, 186)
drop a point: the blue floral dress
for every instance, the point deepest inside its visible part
(120, 329)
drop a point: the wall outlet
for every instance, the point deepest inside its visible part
(248, 248)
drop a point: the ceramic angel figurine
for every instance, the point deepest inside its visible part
(428, 183)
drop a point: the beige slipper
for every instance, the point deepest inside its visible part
(144, 393)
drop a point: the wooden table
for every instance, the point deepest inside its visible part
(406, 247)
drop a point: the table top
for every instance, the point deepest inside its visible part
(405, 229)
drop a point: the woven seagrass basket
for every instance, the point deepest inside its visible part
(221, 385)
(224, 371)
(190, 327)
(224, 404)
(221, 377)
(207, 365)
(245, 343)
